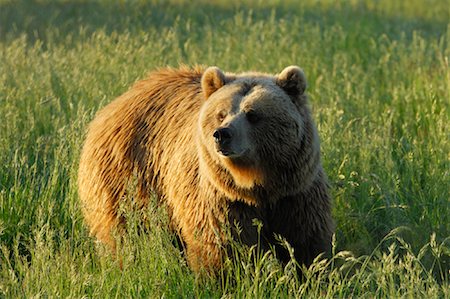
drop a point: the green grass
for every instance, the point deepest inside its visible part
(379, 82)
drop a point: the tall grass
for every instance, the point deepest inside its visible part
(379, 84)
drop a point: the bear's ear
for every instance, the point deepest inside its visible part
(213, 79)
(292, 80)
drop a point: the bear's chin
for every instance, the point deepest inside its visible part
(246, 174)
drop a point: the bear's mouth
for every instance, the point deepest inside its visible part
(228, 153)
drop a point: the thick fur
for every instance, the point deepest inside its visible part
(160, 134)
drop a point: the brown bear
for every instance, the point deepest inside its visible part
(218, 149)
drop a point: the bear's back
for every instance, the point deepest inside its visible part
(138, 134)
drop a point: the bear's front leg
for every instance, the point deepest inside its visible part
(305, 221)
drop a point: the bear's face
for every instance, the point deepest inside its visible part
(250, 123)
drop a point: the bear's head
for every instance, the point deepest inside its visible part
(252, 130)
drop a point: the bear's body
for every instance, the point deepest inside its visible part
(218, 149)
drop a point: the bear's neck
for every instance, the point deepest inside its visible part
(213, 175)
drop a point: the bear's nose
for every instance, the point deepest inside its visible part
(222, 135)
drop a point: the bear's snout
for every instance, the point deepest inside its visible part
(222, 138)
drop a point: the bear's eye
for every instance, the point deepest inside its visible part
(221, 115)
(252, 117)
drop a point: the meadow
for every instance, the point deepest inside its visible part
(379, 87)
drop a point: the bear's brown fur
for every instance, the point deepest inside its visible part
(218, 149)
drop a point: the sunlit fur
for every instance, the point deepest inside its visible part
(244, 176)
